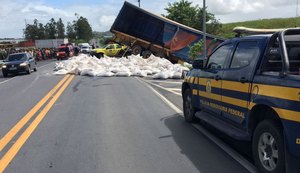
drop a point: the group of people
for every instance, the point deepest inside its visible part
(38, 54)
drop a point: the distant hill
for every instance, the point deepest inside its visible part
(226, 31)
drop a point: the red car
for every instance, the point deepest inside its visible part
(65, 51)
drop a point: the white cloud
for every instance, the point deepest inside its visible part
(101, 15)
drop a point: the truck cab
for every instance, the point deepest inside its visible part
(249, 89)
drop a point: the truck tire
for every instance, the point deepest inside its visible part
(268, 147)
(146, 54)
(160, 54)
(188, 109)
(136, 50)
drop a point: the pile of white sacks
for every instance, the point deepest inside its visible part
(157, 68)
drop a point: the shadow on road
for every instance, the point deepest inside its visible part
(202, 152)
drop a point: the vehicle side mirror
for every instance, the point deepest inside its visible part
(198, 64)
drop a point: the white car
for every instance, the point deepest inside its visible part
(85, 49)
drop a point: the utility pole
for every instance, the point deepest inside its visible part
(204, 28)
(139, 3)
(297, 9)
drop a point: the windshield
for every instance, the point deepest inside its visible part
(84, 47)
(17, 57)
(63, 49)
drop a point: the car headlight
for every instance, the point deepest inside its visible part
(3, 66)
(23, 64)
(57, 54)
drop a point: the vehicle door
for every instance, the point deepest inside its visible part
(109, 50)
(236, 80)
(210, 80)
(118, 49)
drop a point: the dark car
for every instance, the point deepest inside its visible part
(19, 62)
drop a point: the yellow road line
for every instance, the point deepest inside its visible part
(11, 153)
(9, 135)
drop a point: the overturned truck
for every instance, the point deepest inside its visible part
(147, 33)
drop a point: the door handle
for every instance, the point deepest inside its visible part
(217, 77)
(243, 80)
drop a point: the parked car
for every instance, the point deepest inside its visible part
(65, 51)
(85, 49)
(248, 88)
(19, 62)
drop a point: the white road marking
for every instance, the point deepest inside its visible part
(231, 152)
(161, 81)
(174, 89)
(169, 103)
(170, 90)
(6, 80)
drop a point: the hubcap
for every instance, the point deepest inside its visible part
(268, 151)
(188, 105)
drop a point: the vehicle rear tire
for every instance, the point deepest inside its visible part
(136, 50)
(146, 54)
(268, 147)
(35, 69)
(188, 109)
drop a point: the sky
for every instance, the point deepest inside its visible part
(14, 14)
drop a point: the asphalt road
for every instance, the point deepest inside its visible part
(109, 125)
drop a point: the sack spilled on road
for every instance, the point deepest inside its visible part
(134, 65)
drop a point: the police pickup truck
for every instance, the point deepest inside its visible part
(249, 88)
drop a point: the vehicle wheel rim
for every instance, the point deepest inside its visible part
(268, 151)
(188, 105)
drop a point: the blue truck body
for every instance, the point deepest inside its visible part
(155, 33)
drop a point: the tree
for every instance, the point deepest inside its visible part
(83, 29)
(32, 30)
(60, 28)
(185, 13)
(51, 29)
(71, 34)
(195, 50)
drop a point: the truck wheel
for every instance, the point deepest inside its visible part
(188, 109)
(146, 54)
(268, 147)
(160, 54)
(136, 50)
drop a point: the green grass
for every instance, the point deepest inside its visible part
(226, 31)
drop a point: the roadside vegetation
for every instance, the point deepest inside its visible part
(226, 30)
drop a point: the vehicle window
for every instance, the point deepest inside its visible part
(110, 47)
(63, 49)
(294, 57)
(17, 57)
(217, 59)
(119, 46)
(244, 54)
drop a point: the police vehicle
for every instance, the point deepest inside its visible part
(249, 88)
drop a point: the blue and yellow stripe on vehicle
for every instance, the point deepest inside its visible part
(286, 99)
